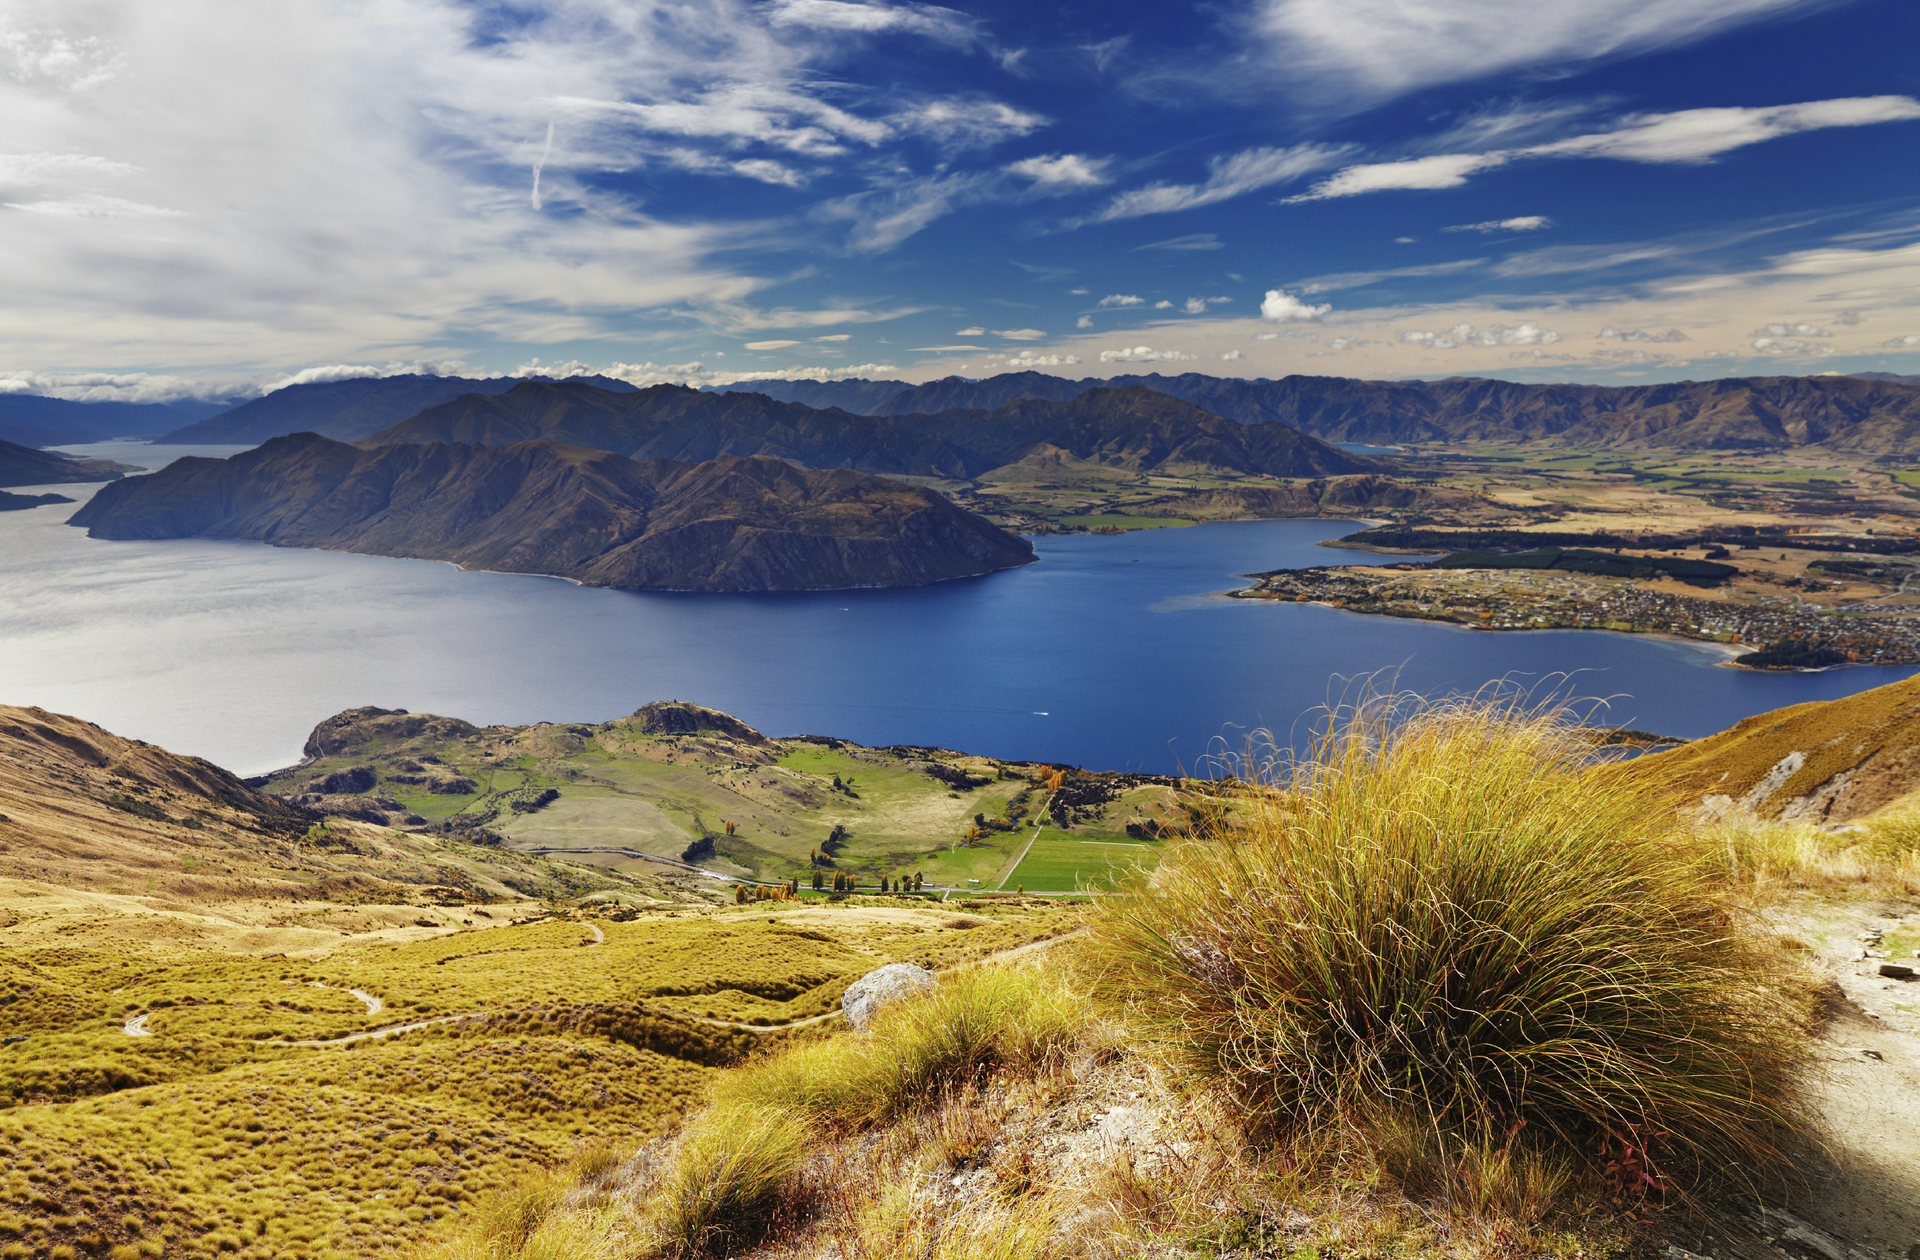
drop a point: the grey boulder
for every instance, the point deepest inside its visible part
(893, 983)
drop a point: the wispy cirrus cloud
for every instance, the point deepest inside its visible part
(1684, 136)
(1228, 175)
(1349, 52)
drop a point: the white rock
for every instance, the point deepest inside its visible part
(892, 983)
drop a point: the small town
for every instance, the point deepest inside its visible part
(1510, 599)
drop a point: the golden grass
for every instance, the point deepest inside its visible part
(1452, 923)
(1777, 860)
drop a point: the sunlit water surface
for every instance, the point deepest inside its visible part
(1106, 653)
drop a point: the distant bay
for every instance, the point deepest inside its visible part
(1107, 653)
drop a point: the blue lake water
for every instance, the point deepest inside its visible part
(1106, 653)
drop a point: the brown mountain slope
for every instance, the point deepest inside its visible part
(1827, 761)
(24, 466)
(595, 517)
(1141, 431)
(1338, 495)
(76, 799)
(673, 422)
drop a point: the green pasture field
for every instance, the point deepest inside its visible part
(1061, 865)
(1124, 522)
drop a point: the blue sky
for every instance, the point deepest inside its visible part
(212, 197)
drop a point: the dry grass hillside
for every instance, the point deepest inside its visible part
(1455, 990)
(1829, 761)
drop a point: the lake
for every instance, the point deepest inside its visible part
(1106, 653)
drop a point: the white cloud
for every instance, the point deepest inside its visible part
(1617, 356)
(1287, 334)
(1199, 305)
(1446, 170)
(1028, 359)
(934, 22)
(1283, 308)
(1019, 334)
(770, 345)
(1229, 175)
(1085, 321)
(1346, 343)
(1692, 135)
(1523, 223)
(835, 337)
(1698, 135)
(1197, 241)
(1353, 51)
(1065, 170)
(1359, 279)
(1526, 333)
(884, 217)
(968, 123)
(1163, 305)
(1792, 330)
(1611, 333)
(1562, 259)
(92, 206)
(1079, 292)
(944, 349)
(1564, 358)
(1901, 343)
(971, 332)
(1791, 347)
(1120, 299)
(1231, 356)
(1145, 354)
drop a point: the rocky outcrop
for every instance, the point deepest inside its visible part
(896, 982)
(541, 507)
(679, 717)
(357, 729)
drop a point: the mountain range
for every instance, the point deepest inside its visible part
(673, 422)
(1863, 415)
(729, 524)
(1135, 429)
(344, 410)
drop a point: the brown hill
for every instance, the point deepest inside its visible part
(1139, 430)
(73, 796)
(24, 466)
(592, 516)
(672, 422)
(1826, 761)
(1369, 492)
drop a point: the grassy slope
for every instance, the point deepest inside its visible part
(202, 1138)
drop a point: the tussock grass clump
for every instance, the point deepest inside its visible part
(732, 1174)
(1445, 920)
(976, 1021)
(1882, 855)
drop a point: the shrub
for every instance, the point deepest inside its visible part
(1449, 922)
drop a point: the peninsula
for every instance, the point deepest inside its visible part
(598, 518)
